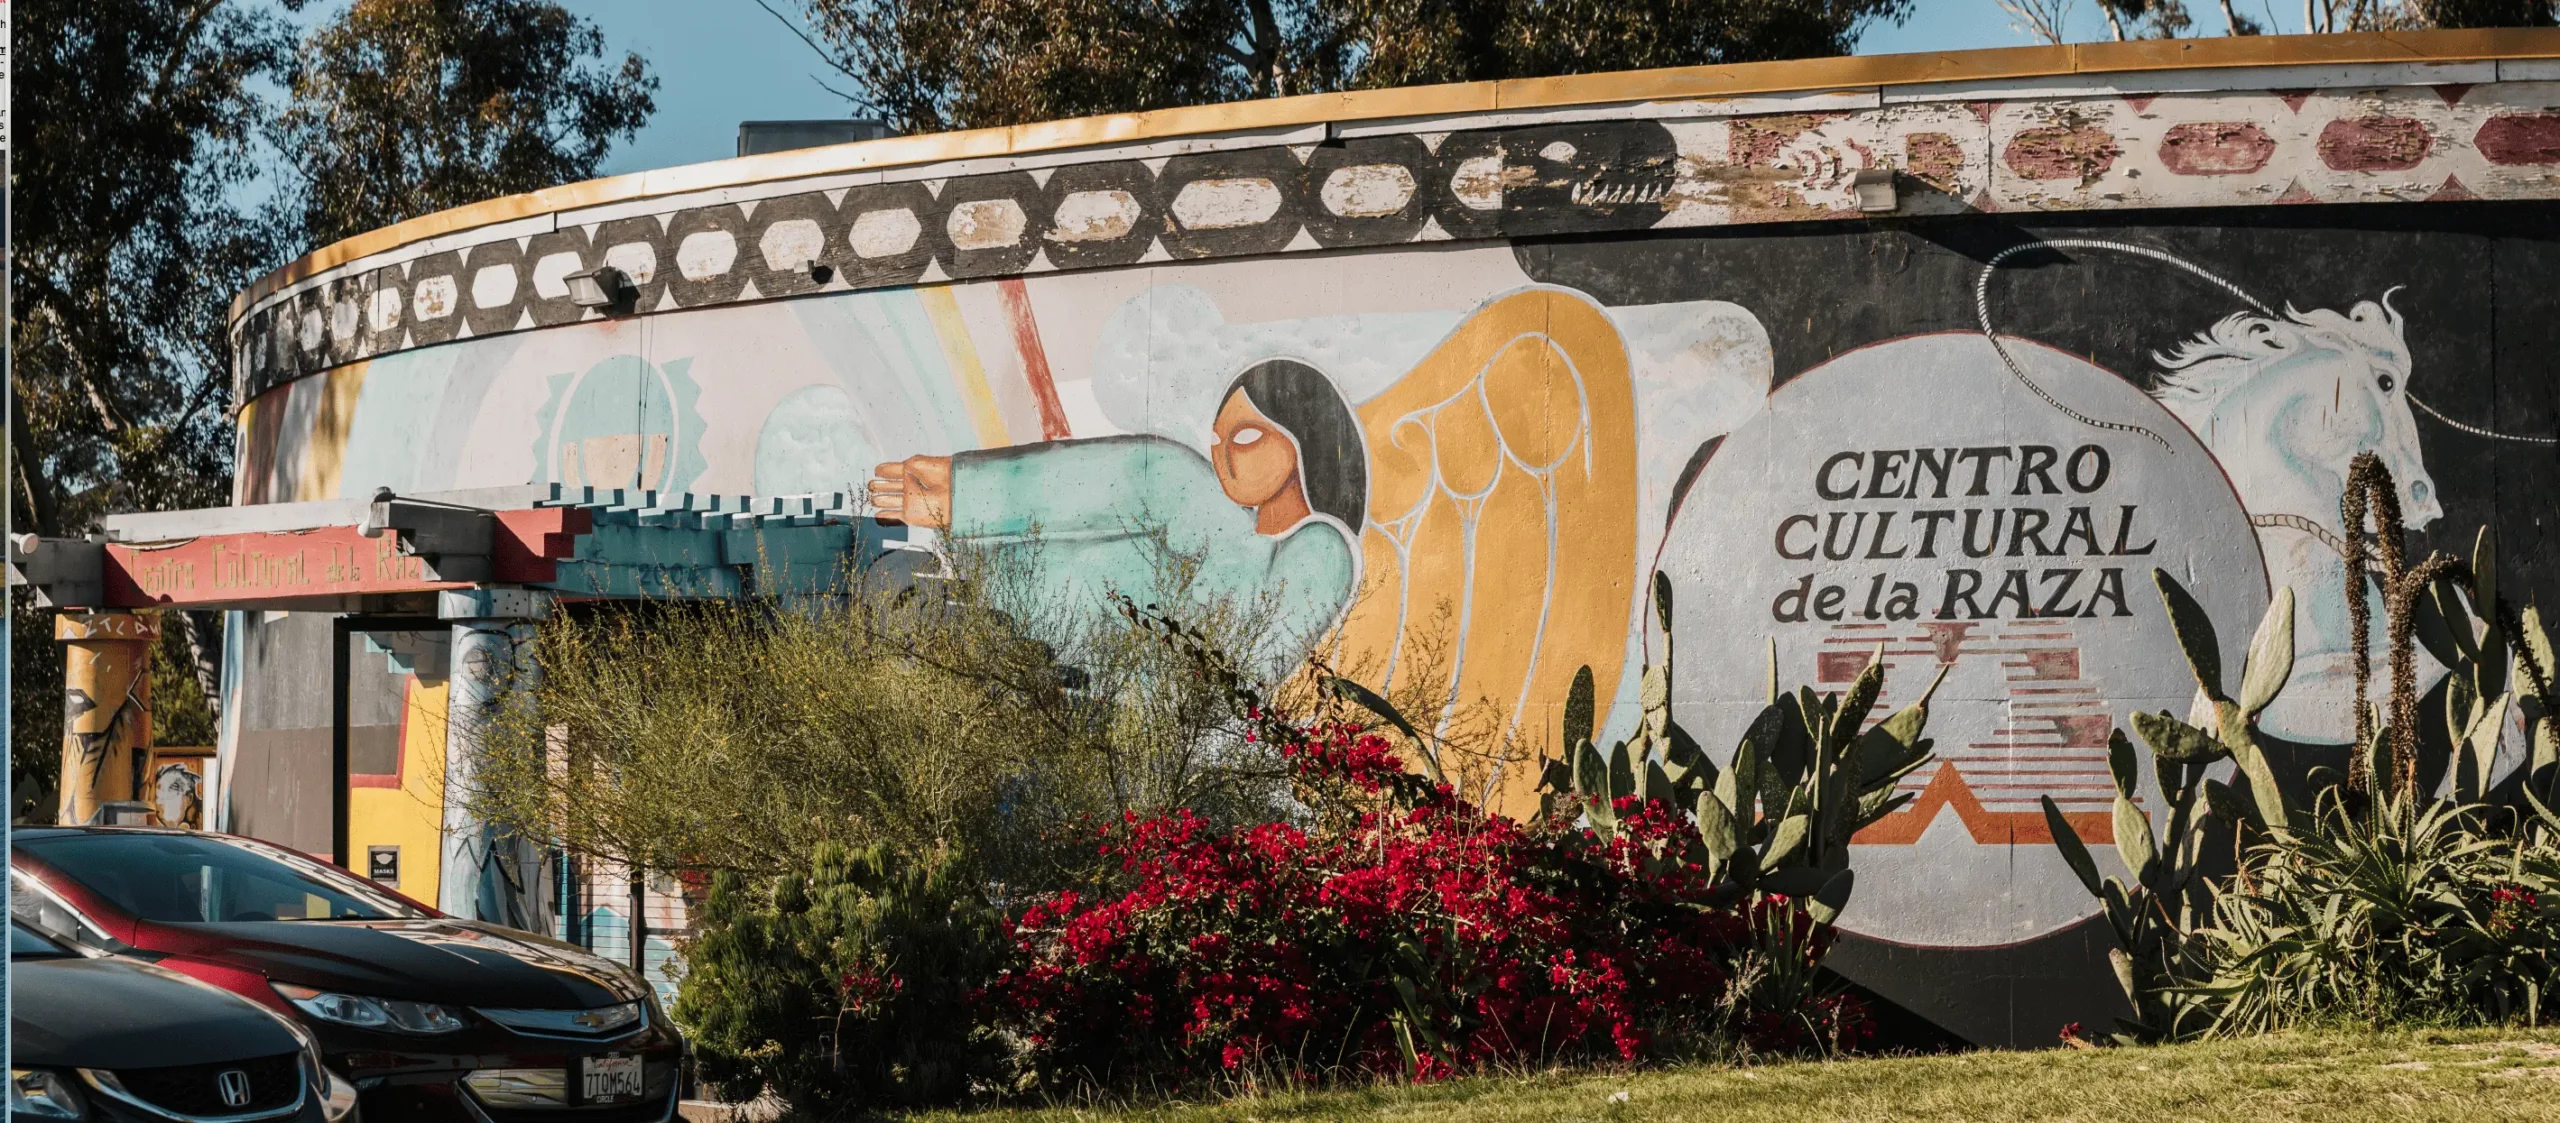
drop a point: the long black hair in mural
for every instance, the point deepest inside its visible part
(1333, 466)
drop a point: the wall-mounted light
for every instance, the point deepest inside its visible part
(601, 287)
(1874, 188)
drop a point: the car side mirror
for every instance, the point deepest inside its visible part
(37, 908)
(45, 917)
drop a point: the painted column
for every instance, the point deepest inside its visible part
(489, 872)
(106, 707)
(226, 750)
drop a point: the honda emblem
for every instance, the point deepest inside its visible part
(235, 1088)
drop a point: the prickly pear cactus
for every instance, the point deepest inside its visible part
(1808, 774)
(2165, 899)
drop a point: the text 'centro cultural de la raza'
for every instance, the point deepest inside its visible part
(2023, 532)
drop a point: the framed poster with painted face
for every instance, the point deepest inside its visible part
(176, 783)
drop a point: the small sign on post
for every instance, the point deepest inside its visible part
(382, 865)
(124, 813)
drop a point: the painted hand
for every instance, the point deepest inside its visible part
(915, 491)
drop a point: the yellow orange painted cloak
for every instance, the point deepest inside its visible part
(1502, 492)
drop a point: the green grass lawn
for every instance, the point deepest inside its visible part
(2458, 1075)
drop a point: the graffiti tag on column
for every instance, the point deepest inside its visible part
(105, 625)
(2044, 507)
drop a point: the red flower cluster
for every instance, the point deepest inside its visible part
(867, 990)
(1343, 754)
(2510, 908)
(1420, 936)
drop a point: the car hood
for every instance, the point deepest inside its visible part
(453, 962)
(116, 1013)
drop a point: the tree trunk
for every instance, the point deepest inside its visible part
(43, 506)
(1266, 48)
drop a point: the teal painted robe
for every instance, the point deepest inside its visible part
(1092, 509)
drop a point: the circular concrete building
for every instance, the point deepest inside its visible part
(1934, 355)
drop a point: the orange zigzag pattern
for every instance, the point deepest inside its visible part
(1948, 789)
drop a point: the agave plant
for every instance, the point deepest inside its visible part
(1808, 774)
(2410, 885)
(2444, 743)
(2416, 915)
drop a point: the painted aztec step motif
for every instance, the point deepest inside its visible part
(1658, 165)
(2049, 736)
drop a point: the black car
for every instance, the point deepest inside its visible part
(104, 1037)
(429, 1016)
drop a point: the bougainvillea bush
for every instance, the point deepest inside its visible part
(1403, 932)
(1396, 931)
(1380, 926)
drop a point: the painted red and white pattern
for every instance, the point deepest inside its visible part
(2419, 143)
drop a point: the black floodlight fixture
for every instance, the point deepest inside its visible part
(603, 287)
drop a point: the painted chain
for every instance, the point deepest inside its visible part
(2477, 431)
(2306, 526)
(1982, 311)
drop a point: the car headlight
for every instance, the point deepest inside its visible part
(37, 1093)
(394, 1014)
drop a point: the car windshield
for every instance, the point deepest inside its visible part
(25, 944)
(196, 879)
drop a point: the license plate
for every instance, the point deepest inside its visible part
(610, 1079)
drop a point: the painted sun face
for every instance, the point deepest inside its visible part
(1254, 459)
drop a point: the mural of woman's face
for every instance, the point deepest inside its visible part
(1254, 459)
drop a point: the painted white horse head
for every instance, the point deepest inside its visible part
(2286, 402)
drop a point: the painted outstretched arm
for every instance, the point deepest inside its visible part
(1100, 488)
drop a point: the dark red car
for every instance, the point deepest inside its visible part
(431, 1017)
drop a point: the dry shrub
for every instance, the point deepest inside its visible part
(949, 712)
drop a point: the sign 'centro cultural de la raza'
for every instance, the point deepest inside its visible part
(1919, 496)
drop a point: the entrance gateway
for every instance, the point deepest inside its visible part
(427, 604)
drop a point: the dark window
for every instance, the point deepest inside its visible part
(192, 879)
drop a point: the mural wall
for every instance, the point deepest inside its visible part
(1964, 436)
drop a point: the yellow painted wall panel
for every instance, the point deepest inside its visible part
(411, 815)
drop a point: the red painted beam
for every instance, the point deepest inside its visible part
(331, 561)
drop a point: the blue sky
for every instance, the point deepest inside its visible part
(720, 62)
